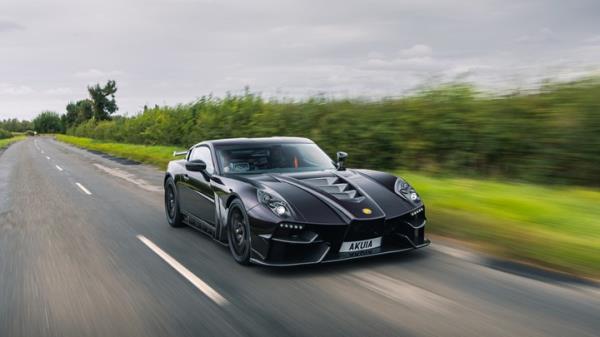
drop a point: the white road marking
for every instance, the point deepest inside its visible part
(85, 190)
(195, 280)
(130, 177)
(47, 157)
(58, 168)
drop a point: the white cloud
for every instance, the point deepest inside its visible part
(59, 91)
(418, 50)
(97, 74)
(414, 63)
(541, 36)
(14, 90)
(592, 39)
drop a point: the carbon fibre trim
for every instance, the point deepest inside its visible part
(262, 263)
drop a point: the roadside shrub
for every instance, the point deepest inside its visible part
(5, 134)
(552, 135)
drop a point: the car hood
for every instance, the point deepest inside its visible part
(334, 196)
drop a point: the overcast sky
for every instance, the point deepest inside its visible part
(174, 51)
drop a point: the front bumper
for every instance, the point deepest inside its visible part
(340, 257)
(321, 243)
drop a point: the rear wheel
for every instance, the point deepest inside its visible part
(174, 217)
(238, 233)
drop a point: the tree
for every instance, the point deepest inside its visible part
(103, 100)
(48, 122)
(14, 125)
(78, 112)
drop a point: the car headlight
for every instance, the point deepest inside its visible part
(403, 189)
(275, 204)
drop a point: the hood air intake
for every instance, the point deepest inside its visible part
(336, 187)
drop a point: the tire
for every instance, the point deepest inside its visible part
(238, 233)
(174, 217)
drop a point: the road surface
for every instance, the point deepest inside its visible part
(85, 250)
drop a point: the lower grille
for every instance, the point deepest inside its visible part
(404, 226)
(362, 230)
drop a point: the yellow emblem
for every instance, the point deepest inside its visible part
(367, 210)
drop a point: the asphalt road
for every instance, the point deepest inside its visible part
(85, 250)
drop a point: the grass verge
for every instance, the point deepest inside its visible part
(4, 143)
(554, 227)
(149, 154)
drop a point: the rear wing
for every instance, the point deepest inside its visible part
(180, 153)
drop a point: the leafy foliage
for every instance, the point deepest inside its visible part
(47, 122)
(15, 125)
(552, 135)
(5, 134)
(78, 113)
(100, 106)
(103, 100)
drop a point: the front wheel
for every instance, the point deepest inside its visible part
(238, 233)
(174, 217)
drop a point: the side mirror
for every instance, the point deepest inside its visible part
(196, 165)
(341, 158)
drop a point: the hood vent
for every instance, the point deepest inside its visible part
(336, 187)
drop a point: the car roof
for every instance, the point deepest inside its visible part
(258, 140)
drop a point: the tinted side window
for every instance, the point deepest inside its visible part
(203, 153)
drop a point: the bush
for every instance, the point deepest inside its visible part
(548, 136)
(5, 134)
(15, 125)
(48, 122)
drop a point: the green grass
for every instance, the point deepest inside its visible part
(555, 227)
(6, 142)
(154, 155)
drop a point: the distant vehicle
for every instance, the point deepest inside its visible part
(282, 201)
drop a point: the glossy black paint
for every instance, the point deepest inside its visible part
(327, 220)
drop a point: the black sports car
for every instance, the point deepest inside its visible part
(282, 201)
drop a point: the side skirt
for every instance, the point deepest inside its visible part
(201, 226)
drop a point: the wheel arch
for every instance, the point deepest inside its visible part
(224, 216)
(167, 176)
(231, 198)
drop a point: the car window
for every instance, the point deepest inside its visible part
(272, 158)
(203, 153)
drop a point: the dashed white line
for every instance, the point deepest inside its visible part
(85, 190)
(47, 157)
(195, 280)
(58, 168)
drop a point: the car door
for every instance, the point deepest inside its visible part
(197, 193)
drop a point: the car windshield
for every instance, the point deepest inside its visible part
(272, 158)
